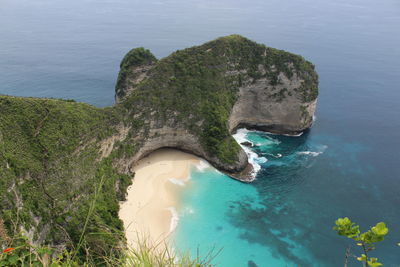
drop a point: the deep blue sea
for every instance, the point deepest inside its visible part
(348, 164)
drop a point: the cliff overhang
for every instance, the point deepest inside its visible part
(194, 99)
(56, 155)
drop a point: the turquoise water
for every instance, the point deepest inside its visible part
(284, 218)
(72, 49)
(204, 225)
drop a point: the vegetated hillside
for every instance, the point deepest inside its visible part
(192, 93)
(57, 156)
(50, 166)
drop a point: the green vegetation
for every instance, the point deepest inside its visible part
(366, 240)
(200, 84)
(19, 251)
(136, 57)
(22, 253)
(52, 161)
(49, 170)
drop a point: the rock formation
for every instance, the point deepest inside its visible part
(194, 99)
(56, 156)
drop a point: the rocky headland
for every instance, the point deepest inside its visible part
(196, 98)
(58, 156)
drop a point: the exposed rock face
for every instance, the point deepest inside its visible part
(183, 140)
(196, 98)
(277, 109)
(134, 69)
(135, 75)
(54, 154)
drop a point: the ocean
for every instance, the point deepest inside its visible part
(347, 164)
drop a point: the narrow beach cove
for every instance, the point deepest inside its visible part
(150, 209)
(281, 219)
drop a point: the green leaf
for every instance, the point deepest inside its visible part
(13, 259)
(363, 258)
(347, 228)
(373, 262)
(375, 234)
(380, 229)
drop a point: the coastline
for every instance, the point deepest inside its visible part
(149, 213)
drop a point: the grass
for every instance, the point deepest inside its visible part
(149, 255)
(18, 251)
(144, 255)
(97, 244)
(48, 180)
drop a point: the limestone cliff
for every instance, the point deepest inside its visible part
(58, 156)
(195, 99)
(133, 70)
(277, 109)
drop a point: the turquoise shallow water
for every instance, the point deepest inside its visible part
(220, 215)
(204, 225)
(285, 217)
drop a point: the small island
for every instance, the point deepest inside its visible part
(57, 156)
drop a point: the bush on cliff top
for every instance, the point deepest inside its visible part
(135, 57)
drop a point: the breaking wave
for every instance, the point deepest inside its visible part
(177, 181)
(202, 165)
(174, 219)
(322, 148)
(254, 159)
(311, 153)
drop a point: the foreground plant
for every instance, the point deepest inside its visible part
(366, 240)
(150, 254)
(145, 254)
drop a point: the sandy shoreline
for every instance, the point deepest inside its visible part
(148, 210)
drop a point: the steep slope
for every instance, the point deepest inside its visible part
(50, 167)
(57, 156)
(195, 98)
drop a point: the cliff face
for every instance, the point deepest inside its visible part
(276, 109)
(181, 139)
(51, 165)
(57, 156)
(133, 70)
(194, 99)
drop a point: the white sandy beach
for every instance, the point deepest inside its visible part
(148, 210)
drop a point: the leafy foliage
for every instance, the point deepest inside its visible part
(201, 84)
(49, 169)
(367, 240)
(347, 228)
(51, 166)
(135, 57)
(22, 253)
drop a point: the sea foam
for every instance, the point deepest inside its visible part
(174, 219)
(321, 149)
(177, 181)
(202, 165)
(254, 159)
(311, 153)
(294, 135)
